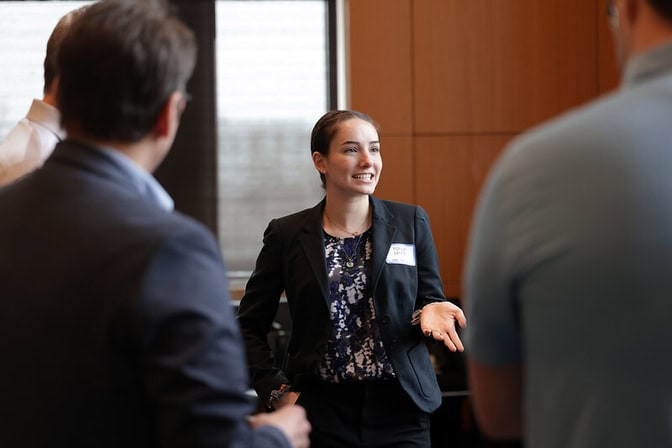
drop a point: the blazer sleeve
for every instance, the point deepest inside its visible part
(192, 353)
(258, 309)
(430, 286)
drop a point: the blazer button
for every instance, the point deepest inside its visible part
(386, 319)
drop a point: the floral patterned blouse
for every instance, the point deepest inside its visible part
(355, 348)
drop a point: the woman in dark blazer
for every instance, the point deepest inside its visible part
(361, 277)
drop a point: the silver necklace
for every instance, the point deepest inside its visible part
(350, 259)
(356, 233)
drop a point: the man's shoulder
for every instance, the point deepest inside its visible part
(605, 120)
(575, 135)
(157, 223)
(180, 224)
(122, 217)
(578, 122)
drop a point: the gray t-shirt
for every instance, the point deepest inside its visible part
(569, 269)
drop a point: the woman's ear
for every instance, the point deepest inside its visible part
(318, 161)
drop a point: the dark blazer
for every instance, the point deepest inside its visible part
(115, 319)
(293, 260)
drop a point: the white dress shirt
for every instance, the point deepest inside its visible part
(30, 142)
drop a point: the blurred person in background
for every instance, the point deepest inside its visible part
(567, 280)
(34, 137)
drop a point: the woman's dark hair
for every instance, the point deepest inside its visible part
(326, 127)
(119, 63)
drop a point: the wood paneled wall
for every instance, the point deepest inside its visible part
(451, 82)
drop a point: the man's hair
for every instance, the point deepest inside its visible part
(54, 44)
(663, 8)
(119, 64)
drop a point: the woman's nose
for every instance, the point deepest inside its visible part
(366, 158)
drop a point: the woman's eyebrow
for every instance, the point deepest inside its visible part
(353, 142)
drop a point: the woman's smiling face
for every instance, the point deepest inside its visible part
(353, 164)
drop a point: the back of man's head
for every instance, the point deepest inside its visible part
(53, 46)
(119, 64)
(663, 8)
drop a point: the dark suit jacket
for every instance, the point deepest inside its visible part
(293, 260)
(117, 329)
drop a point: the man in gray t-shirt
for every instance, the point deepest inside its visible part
(569, 270)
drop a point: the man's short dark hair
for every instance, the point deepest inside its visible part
(663, 7)
(119, 64)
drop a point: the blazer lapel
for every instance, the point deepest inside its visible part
(313, 246)
(383, 233)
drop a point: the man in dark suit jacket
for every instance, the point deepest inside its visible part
(117, 328)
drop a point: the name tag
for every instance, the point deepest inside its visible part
(401, 254)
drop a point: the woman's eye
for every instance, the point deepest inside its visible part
(375, 149)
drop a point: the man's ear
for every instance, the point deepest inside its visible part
(50, 93)
(169, 116)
